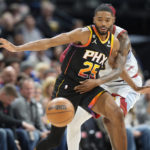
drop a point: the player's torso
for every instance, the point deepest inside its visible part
(84, 62)
(130, 65)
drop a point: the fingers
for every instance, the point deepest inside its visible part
(1, 46)
(81, 92)
(148, 87)
(145, 90)
(84, 82)
(81, 89)
(78, 89)
(2, 41)
(4, 44)
(81, 82)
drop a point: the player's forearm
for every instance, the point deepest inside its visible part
(125, 44)
(44, 44)
(34, 46)
(115, 73)
(124, 49)
(125, 76)
(117, 68)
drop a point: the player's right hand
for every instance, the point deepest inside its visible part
(143, 89)
(7, 45)
(86, 86)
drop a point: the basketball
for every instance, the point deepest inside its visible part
(60, 112)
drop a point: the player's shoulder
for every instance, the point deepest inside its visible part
(80, 35)
(86, 30)
(118, 28)
(83, 30)
(118, 31)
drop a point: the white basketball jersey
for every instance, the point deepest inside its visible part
(131, 63)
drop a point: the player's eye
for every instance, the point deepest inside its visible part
(107, 20)
(99, 19)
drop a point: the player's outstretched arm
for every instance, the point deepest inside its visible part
(118, 58)
(143, 90)
(116, 61)
(125, 46)
(76, 35)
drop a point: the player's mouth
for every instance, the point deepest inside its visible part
(103, 29)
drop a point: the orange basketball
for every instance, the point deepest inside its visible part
(60, 112)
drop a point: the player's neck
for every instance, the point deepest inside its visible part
(103, 37)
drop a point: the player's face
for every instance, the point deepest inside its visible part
(103, 20)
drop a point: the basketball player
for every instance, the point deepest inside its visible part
(123, 94)
(89, 50)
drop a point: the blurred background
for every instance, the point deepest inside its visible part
(132, 15)
(23, 21)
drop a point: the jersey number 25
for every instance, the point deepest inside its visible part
(89, 67)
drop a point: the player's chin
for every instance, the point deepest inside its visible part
(103, 32)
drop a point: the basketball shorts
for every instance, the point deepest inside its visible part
(124, 95)
(64, 87)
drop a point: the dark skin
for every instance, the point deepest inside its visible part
(104, 22)
(80, 35)
(89, 84)
(105, 104)
(125, 46)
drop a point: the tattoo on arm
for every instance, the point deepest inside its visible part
(124, 44)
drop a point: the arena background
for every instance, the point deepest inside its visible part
(133, 15)
(17, 17)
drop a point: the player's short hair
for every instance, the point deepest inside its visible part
(10, 90)
(106, 7)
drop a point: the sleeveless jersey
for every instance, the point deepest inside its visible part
(85, 61)
(130, 65)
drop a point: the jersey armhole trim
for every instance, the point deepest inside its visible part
(89, 40)
(112, 43)
(123, 31)
(114, 29)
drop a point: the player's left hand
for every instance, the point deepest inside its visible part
(7, 45)
(86, 86)
(143, 89)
